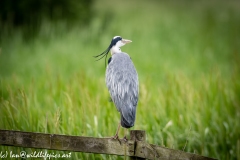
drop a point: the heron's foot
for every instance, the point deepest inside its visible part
(125, 139)
(117, 138)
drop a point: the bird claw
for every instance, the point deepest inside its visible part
(125, 139)
(116, 138)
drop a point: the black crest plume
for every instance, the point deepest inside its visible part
(105, 53)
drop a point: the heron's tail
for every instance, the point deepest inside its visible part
(127, 123)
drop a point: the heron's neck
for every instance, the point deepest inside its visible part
(115, 49)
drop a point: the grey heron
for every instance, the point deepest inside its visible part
(122, 82)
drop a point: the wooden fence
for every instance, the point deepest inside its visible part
(136, 147)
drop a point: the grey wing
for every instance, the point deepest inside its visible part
(122, 83)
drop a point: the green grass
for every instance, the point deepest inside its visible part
(187, 56)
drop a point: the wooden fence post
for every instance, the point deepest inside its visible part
(137, 135)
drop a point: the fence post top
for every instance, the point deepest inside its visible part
(138, 135)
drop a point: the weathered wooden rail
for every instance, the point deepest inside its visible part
(136, 147)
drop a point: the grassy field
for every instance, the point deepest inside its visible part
(187, 56)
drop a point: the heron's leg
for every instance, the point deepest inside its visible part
(116, 135)
(125, 135)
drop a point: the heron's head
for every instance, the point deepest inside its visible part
(114, 46)
(118, 42)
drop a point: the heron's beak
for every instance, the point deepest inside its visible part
(125, 41)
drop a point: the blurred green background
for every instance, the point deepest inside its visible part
(187, 54)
